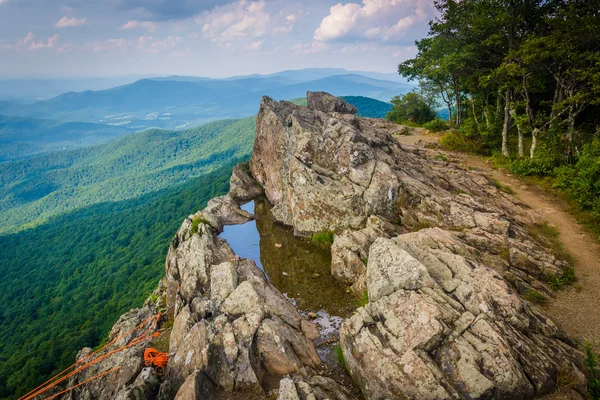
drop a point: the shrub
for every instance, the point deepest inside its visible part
(591, 362)
(196, 221)
(457, 141)
(582, 181)
(436, 125)
(411, 107)
(323, 237)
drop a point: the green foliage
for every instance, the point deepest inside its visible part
(363, 300)
(502, 188)
(196, 221)
(33, 190)
(535, 297)
(324, 237)
(64, 283)
(299, 101)
(368, 107)
(456, 141)
(339, 356)
(582, 181)
(436, 125)
(591, 362)
(412, 108)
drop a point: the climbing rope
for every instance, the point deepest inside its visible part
(55, 380)
(156, 358)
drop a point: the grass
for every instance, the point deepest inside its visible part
(535, 297)
(339, 356)
(323, 237)
(196, 221)
(591, 362)
(363, 300)
(441, 157)
(501, 187)
(421, 225)
(549, 235)
(504, 254)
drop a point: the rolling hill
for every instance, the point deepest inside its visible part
(35, 189)
(23, 137)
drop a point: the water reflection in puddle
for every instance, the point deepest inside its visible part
(300, 269)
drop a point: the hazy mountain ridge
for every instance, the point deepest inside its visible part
(179, 102)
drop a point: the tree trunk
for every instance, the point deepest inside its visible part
(506, 125)
(571, 132)
(498, 116)
(515, 118)
(458, 109)
(534, 134)
(474, 112)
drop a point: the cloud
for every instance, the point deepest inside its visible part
(244, 19)
(255, 45)
(133, 24)
(119, 44)
(163, 10)
(290, 20)
(29, 43)
(66, 22)
(314, 47)
(391, 21)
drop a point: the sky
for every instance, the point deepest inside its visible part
(215, 38)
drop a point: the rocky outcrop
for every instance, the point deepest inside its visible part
(441, 326)
(324, 170)
(442, 253)
(321, 101)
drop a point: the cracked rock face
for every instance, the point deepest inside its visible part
(441, 326)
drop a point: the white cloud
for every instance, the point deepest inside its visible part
(29, 43)
(134, 24)
(240, 20)
(290, 20)
(66, 22)
(392, 21)
(314, 47)
(255, 45)
(119, 44)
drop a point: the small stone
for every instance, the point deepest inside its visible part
(285, 273)
(278, 245)
(316, 275)
(312, 315)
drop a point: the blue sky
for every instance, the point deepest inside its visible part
(214, 38)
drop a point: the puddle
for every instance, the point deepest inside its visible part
(300, 269)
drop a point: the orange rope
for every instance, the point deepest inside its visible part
(45, 387)
(83, 383)
(156, 358)
(156, 317)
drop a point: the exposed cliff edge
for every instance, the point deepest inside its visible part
(445, 320)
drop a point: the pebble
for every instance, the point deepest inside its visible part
(316, 275)
(284, 273)
(278, 245)
(312, 315)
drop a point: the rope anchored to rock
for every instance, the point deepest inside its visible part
(80, 365)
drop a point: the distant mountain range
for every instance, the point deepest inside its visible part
(178, 102)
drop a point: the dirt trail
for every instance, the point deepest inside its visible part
(576, 309)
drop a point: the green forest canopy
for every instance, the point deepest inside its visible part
(64, 283)
(33, 190)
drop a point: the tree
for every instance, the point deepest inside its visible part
(411, 107)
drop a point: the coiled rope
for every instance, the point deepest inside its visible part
(156, 358)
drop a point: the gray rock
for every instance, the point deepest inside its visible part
(242, 187)
(324, 102)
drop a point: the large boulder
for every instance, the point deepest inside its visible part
(441, 326)
(321, 101)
